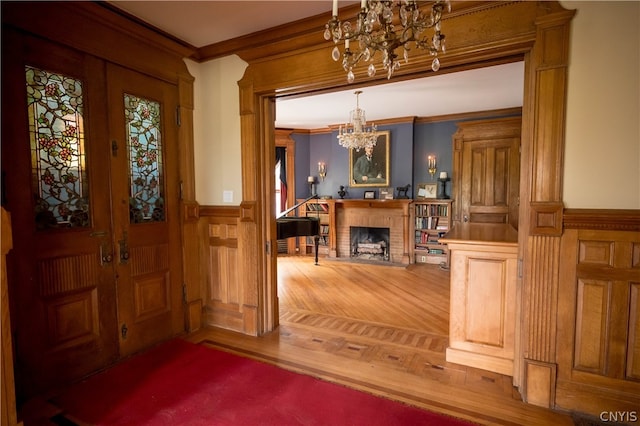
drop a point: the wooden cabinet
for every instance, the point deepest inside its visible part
(323, 210)
(431, 219)
(482, 327)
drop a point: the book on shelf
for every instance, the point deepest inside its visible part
(317, 207)
(428, 222)
(431, 209)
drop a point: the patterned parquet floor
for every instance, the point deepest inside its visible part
(383, 330)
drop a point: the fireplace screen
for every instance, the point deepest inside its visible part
(369, 243)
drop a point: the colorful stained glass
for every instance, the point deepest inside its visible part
(144, 143)
(56, 132)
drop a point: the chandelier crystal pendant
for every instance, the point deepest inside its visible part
(356, 134)
(375, 30)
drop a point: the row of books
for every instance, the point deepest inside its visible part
(426, 238)
(317, 207)
(431, 210)
(429, 222)
(432, 251)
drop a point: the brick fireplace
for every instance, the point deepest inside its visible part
(375, 214)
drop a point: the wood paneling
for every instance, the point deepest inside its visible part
(8, 414)
(483, 297)
(598, 321)
(151, 296)
(223, 295)
(72, 319)
(64, 274)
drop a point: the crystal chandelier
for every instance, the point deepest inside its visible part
(355, 134)
(375, 31)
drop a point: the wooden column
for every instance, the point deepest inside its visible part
(251, 238)
(541, 226)
(194, 273)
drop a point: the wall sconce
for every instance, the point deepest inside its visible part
(432, 165)
(322, 170)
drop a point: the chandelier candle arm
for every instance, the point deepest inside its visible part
(374, 31)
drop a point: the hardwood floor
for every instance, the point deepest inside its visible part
(383, 330)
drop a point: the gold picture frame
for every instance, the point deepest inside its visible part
(373, 172)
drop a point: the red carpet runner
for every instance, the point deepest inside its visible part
(181, 383)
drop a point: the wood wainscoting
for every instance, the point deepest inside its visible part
(223, 298)
(598, 340)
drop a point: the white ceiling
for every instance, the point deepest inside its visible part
(201, 23)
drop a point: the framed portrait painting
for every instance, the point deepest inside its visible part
(369, 167)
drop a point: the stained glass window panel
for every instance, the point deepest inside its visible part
(60, 185)
(144, 143)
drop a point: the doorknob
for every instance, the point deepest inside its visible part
(124, 248)
(106, 255)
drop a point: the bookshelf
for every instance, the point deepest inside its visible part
(322, 209)
(431, 220)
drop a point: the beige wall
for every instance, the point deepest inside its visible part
(217, 130)
(602, 158)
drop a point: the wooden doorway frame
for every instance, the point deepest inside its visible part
(537, 32)
(283, 139)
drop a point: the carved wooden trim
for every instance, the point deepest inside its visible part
(470, 115)
(190, 212)
(305, 33)
(248, 211)
(540, 379)
(602, 219)
(138, 47)
(194, 315)
(219, 211)
(540, 298)
(545, 218)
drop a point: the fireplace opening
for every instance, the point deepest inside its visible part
(369, 243)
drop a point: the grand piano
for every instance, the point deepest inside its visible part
(294, 226)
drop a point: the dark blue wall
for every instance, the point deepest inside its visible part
(411, 144)
(432, 139)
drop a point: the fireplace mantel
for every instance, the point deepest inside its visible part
(393, 214)
(402, 203)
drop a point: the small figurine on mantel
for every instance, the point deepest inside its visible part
(402, 191)
(342, 191)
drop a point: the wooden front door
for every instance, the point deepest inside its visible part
(487, 171)
(144, 169)
(80, 269)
